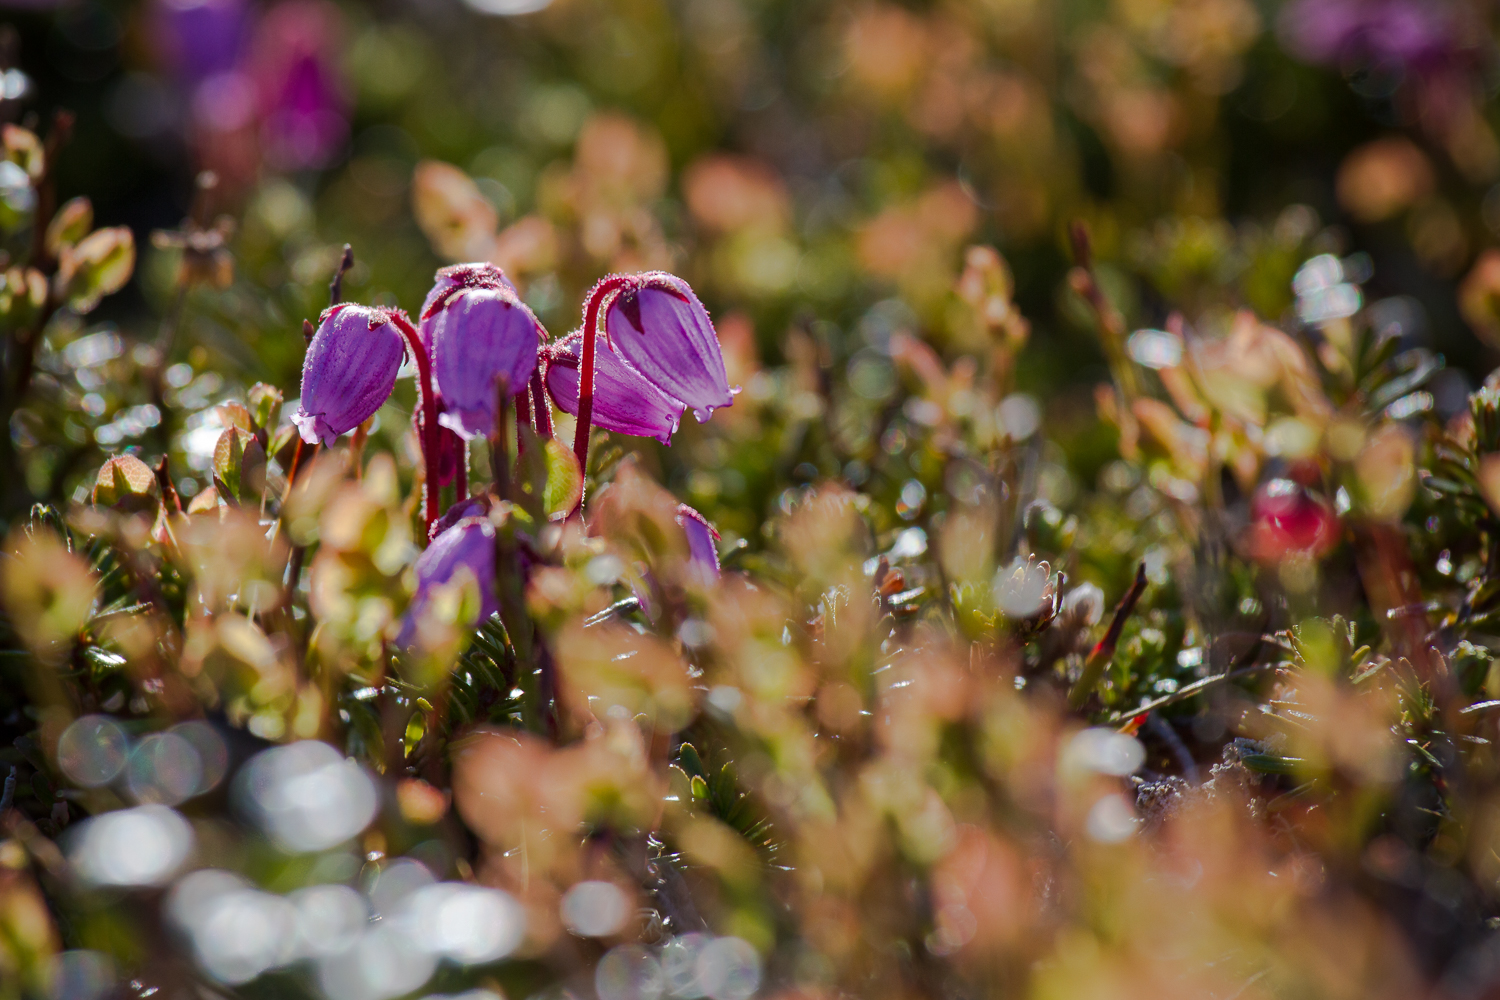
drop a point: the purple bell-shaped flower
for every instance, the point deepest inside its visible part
(479, 331)
(657, 324)
(348, 372)
(467, 544)
(657, 337)
(624, 402)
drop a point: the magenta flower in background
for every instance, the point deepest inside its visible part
(1421, 33)
(348, 372)
(624, 402)
(305, 111)
(702, 539)
(659, 327)
(468, 544)
(479, 331)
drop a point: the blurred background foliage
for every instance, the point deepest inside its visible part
(1038, 309)
(814, 169)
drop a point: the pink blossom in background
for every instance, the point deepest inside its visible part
(1420, 33)
(303, 101)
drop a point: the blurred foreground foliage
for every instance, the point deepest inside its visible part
(1110, 518)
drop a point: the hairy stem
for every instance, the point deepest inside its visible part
(602, 292)
(427, 424)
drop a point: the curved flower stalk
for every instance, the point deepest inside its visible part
(478, 331)
(659, 337)
(624, 402)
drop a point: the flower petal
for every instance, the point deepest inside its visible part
(478, 336)
(702, 539)
(348, 372)
(665, 333)
(624, 402)
(470, 543)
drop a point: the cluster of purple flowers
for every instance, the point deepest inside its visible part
(478, 347)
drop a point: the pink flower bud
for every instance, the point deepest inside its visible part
(479, 331)
(348, 372)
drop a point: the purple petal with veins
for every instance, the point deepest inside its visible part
(624, 402)
(662, 330)
(348, 372)
(478, 336)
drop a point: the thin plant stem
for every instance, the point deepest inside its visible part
(541, 410)
(499, 441)
(1104, 650)
(427, 421)
(603, 291)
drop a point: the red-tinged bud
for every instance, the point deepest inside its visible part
(1289, 520)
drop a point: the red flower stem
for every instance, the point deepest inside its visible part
(602, 291)
(461, 474)
(428, 425)
(541, 409)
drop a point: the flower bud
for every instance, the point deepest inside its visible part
(1288, 520)
(349, 371)
(624, 402)
(659, 327)
(468, 545)
(478, 331)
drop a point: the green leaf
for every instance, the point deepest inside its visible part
(240, 464)
(99, 265)
(124, 481)
(687, 755)
(71, 224)
(564, 480)
(1270, 763)
(23, 148)
(23, 293)
(265, 405)
(232, 414)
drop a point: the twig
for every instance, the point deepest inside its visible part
(1160, 726)
(1184, 693)
(1085, 282)
(336, 284)
(1104, 650)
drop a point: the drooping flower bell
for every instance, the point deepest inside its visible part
(468, 545)
(478, 331)
(657, 325)
(656, 330)
(702, 539)
(624, 402)
(348, 372)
